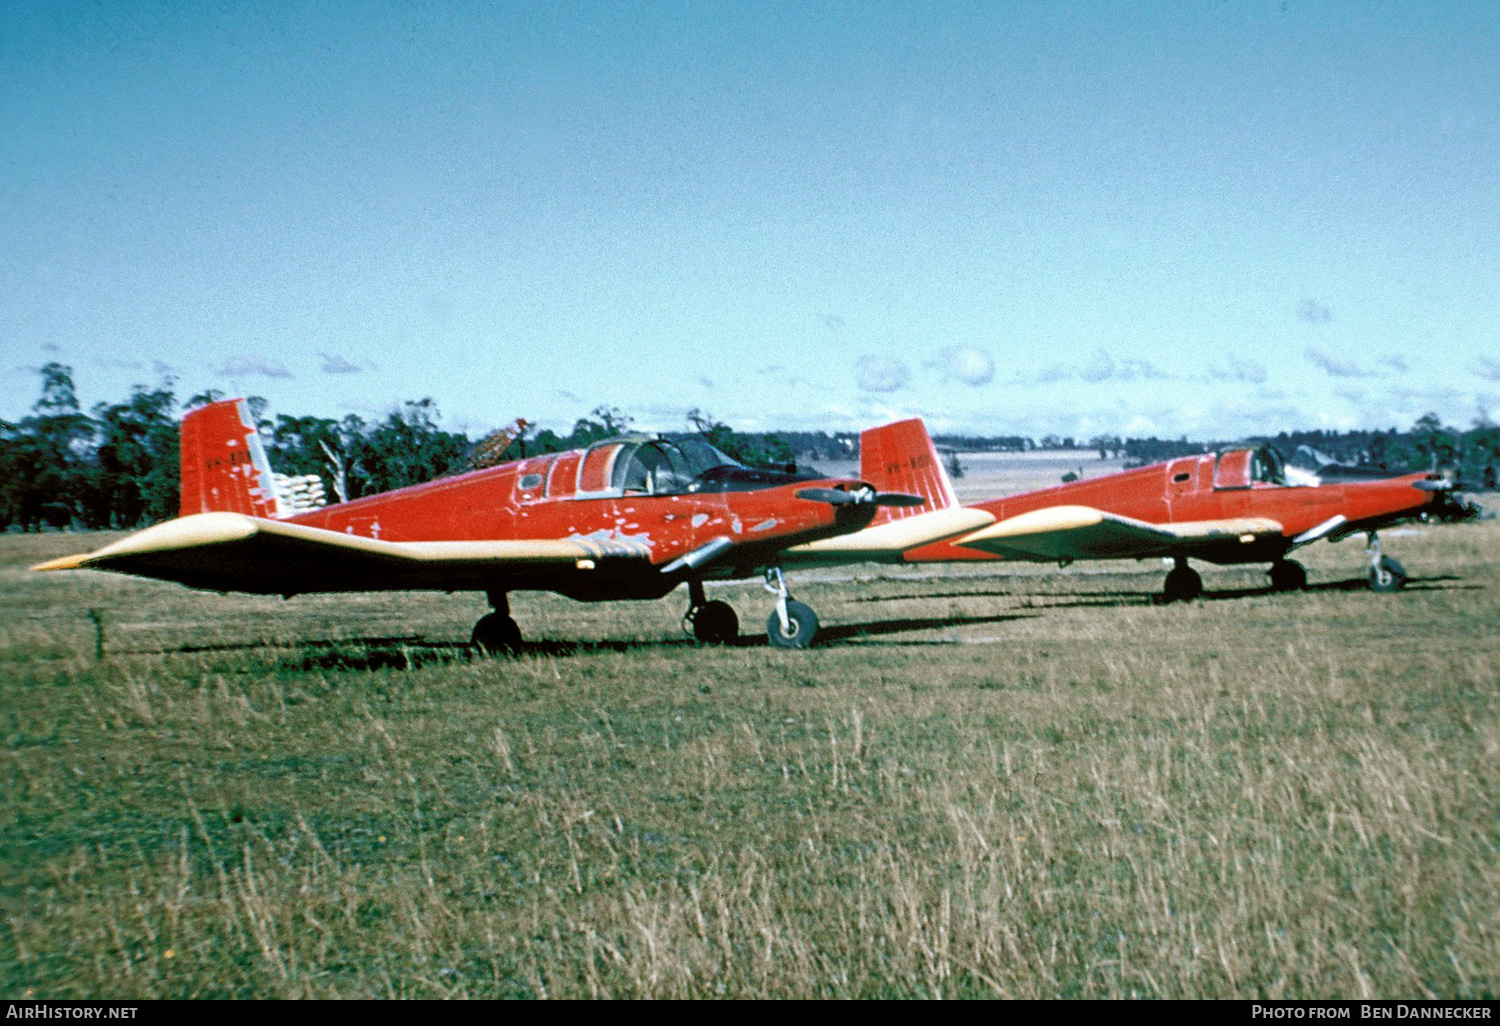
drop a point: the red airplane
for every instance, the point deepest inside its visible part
(627, 518)
(1235, 506)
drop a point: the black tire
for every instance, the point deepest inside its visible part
(1390, 576)
(496, 634)
(1182, 585)
(715, 623)
(802, 623)
(1288, 575)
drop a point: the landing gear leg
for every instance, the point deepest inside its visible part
(1288, 575)
(1386, 574)
(792, 624)
(1183, 584)
(496, 633)
(713, 623)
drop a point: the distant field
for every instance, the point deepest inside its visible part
(987, 475)
(1018, 782)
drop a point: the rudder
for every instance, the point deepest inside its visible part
(223, 463)
(900, 457)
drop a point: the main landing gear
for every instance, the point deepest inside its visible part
(496, 633)
(1182, 584)
(1288, 575)
(792, 624)
(1386, 574)
(713, 623)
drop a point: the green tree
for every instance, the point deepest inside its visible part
(49, 456)
(315, 445)
(765, 451)
(1436, 445)
(607, 423)
(136, 467)
(406, 448)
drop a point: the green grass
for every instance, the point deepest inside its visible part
(1026, 783)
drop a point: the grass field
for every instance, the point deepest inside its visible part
(1021, 782)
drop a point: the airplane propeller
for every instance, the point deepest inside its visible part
(839, 497)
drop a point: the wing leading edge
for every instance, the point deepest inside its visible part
(235, 552)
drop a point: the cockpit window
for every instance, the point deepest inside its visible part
(663, 467)
(1266, 467)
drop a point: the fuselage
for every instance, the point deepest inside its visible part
(617, 489)
(1238, 483)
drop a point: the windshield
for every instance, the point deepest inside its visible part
(1266, 467)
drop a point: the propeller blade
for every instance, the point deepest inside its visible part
(1433, 486)
(839, 497)
(898, 499)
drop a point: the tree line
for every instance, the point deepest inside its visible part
(117, 466)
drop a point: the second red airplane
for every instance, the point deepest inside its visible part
(1235, 506)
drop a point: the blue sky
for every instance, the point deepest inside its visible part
(1210, 219)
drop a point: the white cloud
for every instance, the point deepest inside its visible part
(335, 364)
(1336, 365)
(1487, 368)
(1101, 367)
(1240, 370)
(1314, 312)
(881, 374)
(253, 367)
(966, 365)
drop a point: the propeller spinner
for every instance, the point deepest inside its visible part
(839, 497)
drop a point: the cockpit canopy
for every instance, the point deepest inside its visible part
(1267, 467)
(664, 467)
(1246, 468)
(644, 465)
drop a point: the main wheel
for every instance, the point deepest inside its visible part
(715, 623)
(1288, 575)
(802, 626)
(1388, 576)
(496, 634)
(1182, 585)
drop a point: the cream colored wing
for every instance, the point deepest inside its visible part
(885, 543)
(1081, 532)
(234, 552)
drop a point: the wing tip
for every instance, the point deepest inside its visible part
(63, 563)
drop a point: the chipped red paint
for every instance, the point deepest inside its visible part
(559, 495)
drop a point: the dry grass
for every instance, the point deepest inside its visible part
(1024, 784)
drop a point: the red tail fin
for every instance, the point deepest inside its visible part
(224, 466)
(900, 457)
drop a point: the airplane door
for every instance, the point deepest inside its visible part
(1185, 486)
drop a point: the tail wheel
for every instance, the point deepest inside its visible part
(496, 634)
(715, 623)
(801, 626)
(1387, 575)
(1288, 575)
